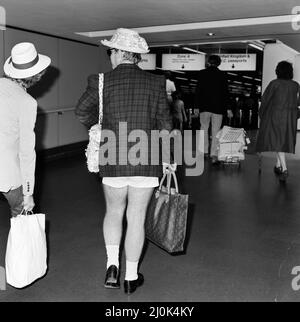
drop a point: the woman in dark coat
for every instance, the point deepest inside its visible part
(278, 115)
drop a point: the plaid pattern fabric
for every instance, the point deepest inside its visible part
(133, 96)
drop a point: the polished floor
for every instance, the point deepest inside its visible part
(242, 245)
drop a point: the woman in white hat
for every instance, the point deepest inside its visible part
(18, 111)
(138, 98)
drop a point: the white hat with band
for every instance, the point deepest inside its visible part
(25, 61)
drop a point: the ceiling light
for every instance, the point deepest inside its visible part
(257, 47)
(210, 42)
(177, 71)
(241, 22)
(247, 77)
(193, 50)
(182, 78)
(210, 34)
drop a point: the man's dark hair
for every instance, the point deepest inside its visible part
(284, 70)
(214, 60)
(176, 95)
(133, 57)
(168, 75)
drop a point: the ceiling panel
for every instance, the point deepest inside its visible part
(65, 17)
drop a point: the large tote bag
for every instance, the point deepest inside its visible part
(92, 150)
(26, 251)
(166, 217)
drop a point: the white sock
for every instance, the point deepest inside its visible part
(131, 271)
(112, 252)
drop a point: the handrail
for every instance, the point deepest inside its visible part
(69, 109)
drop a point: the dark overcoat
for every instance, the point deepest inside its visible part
(278, 117)
(212, 91)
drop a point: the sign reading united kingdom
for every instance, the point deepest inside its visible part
(183, 61)
(238, 62)
(148, 61)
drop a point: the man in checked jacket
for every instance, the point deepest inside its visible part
(132, 100)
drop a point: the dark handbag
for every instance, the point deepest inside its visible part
(166, 217)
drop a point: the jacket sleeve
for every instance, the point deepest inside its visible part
(226, 94)
(265, 100)
(27, 155)
(87, 109)
(197, 97)
(163, 114)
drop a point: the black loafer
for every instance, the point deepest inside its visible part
(131, 286)
(112, 277)
(283, 175)
(277, 170)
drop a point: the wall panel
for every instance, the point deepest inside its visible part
(1, 51)
(77, 61)
(273, 54)
(70, 129)
(46, 131)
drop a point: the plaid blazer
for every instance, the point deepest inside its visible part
(133, 99)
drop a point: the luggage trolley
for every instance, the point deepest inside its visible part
(232, 142)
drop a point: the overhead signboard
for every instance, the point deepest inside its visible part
(238, 62)
(148, 61)
(183, 61)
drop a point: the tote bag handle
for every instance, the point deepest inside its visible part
(169, 175)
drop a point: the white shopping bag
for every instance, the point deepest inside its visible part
(26, 252)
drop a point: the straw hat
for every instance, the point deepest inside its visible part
(25, 61)
(127, 40)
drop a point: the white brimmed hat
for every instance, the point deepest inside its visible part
(25, 61)
(127, 40)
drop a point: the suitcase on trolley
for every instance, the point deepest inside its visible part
(232, 143)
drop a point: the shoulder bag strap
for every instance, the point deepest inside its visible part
(101, 81)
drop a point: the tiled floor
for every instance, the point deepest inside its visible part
(243, 238)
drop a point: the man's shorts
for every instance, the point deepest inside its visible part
(136, 182)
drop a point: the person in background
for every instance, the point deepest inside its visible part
(278, 117)
(254, 110)
(179, 115)
(18, 111)
(170, 87)
(233, 106)
(250, 108)
(212, 99)
(138, 98)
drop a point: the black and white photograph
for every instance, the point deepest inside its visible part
(149, 154)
